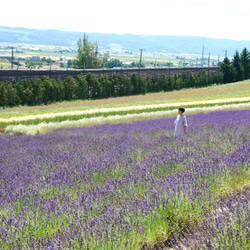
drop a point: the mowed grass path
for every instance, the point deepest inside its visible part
(233, 90)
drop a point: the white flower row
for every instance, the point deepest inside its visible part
(45, 127)
(121, 109)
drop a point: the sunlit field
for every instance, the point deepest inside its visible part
(110, 174)
(129, 186)
(217, 92)
(40, 119)
(37, 126)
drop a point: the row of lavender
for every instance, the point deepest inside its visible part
(128, 185)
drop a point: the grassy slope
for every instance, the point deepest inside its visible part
(233, 90)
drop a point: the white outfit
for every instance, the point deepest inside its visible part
(180, 122)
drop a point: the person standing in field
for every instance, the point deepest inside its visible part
(180, 123)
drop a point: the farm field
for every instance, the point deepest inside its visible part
(232, 90)
(149, 58)
(110, 174)
(129, 186)
(41, 119)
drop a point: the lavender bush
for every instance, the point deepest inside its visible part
(129, 186)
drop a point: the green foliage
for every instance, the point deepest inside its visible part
(88, 56)
(238, 66)
(238, 69)
(83, 89)
(8, 94)
(137, 65)
(94, 86)
(113, 63)
(71, 87)
(229, 71)
(245, 60)
(106, 85)
(47, 90)
(134, 81)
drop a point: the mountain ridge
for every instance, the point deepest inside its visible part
(130, 42)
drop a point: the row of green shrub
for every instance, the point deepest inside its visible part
(236, 69)
(45, 90)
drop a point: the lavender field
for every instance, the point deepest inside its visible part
(129, 186)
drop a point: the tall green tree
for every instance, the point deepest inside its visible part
(113, 63)
(142, 85)
(94, 86)
(88, 56)
(8, 94)
(38, 91)
(105, 86)
(245, 60)
(83, 87)
(238, 66)
(228, 71)
(71, 87)
(134, 81)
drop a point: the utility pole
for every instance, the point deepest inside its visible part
(218, 60)
(202, 55)
(225, 53)
(12, 58)
(208, 59)
(140, 58)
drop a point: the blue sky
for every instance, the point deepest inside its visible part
(213, 18)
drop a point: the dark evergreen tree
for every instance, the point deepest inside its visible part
(106, 84)
(71, 88)
(165, 83)
(236, 62)
(8, 94)
(245, 60)
(94, 86)
(38, 91)
(134, 81)
(82, 92)
(229, 72)
(142, 85)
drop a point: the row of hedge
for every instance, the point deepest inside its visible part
(45, 90)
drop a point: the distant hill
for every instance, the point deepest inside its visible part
(130, 42)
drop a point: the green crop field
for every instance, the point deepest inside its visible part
(216, 92)
(40, 119)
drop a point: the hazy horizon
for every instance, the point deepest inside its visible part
(211, 19)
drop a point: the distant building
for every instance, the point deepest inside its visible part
(19, 51)
(35, 58)
(64, 59)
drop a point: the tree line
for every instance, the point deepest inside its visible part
(46, 90)
(238, 68)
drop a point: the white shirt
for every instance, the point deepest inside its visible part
(180, 122)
